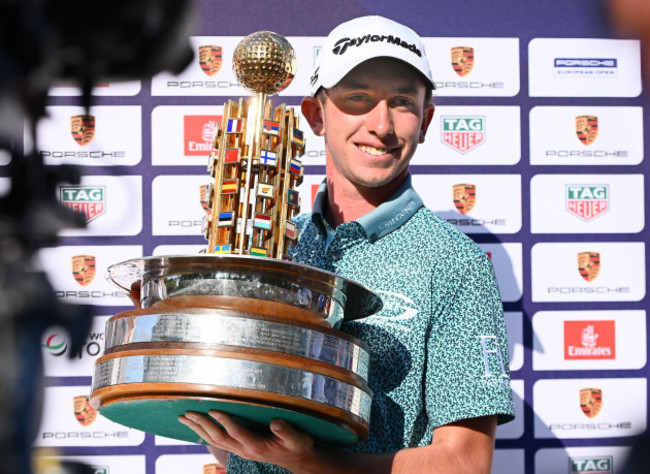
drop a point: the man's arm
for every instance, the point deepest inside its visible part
(220, 454)
(464, 446)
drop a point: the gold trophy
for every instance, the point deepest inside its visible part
(241, 328)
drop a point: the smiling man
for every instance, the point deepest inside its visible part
(439, 358)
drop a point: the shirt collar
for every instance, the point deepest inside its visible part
(387, 217)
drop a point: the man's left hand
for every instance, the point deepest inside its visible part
(284, 445)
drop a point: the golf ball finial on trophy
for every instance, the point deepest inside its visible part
(241, 328)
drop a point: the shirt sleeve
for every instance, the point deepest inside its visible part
(467, 349)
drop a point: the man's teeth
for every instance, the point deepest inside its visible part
(372, 150)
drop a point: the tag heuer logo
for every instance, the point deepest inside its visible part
(210, 59)
(596, 464)
(88, 200)
(587, 201)
(462, 60)
(83, 412)
(591, 401)
(463, 133)
(464, 197)
(589, 265)
(587, 128)
(83, 269)
(82, 128)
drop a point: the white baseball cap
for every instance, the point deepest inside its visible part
(364, 38)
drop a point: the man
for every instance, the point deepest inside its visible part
(439, 369)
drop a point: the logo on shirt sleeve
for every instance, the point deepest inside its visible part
(495, 369)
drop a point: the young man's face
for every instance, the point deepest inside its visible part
(372, 122)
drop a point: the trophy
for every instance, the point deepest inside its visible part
(240, 328)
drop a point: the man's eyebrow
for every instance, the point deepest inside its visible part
(354, 85)
(407, 90)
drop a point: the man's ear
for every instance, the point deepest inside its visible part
(312, 109)
(426, 120)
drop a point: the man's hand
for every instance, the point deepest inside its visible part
(464, 446)
(284, 445)
(134, 294)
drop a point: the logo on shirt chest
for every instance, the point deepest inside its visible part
(397, 307)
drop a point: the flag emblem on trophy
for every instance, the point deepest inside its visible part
(234, 125)
(271, 127)
(226, 219)
(231, 156)
(290, 230)
(262, 221)
(222, 249)
(268, 158)
(265, 190)
(298, 137)
(229, 186)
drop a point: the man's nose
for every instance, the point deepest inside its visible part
(380, 120)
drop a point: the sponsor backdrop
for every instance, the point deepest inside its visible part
(537, 151)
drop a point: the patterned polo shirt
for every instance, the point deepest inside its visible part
(439, 352)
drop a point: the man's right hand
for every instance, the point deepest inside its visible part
(134, 294)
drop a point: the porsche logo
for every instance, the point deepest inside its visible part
(82, 128)
(464, 197)
(462, 60)
(210, 59)
(587, 128)
(83, 269)
(589, 265)
(83, 412)
(591, 401)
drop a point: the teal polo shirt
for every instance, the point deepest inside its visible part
(439, 351)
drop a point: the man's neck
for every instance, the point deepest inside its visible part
(347, 203)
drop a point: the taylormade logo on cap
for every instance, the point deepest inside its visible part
(341, 46)
(368, 37)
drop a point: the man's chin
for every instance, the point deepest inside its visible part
(375, 182)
